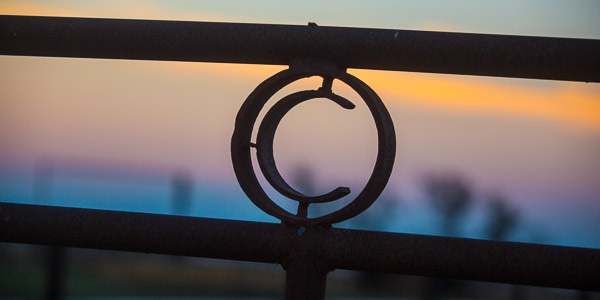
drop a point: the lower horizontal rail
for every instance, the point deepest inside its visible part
(508, 262)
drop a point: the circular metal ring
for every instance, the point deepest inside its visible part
(241, 145)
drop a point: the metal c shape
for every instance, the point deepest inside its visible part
(241, 145)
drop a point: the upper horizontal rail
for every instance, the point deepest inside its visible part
(520, 263)
(382, 49)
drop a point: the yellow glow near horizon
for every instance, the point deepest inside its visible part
(573, 103)
(33, 9)
(569, 103)
(108, 9)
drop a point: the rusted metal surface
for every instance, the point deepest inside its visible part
(241, 144)
(362, 48)
(518, 263)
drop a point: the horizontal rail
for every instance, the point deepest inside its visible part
(361, 48)
(508, 262)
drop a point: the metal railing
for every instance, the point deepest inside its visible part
(308, 248)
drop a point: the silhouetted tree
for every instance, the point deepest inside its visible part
(501, 218)
(303, 179)
(501, 221)
(182, 185)
(450, 196)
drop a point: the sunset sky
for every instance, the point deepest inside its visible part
(537, 142)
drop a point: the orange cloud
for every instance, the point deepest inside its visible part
(571, 103)
(576, 104)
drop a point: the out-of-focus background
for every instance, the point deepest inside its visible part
(523, 155)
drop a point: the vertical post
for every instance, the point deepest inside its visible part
(303, 280)
(306, 267)
(54, 257)
(55, 272)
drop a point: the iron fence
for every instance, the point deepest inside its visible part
(308, 248)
